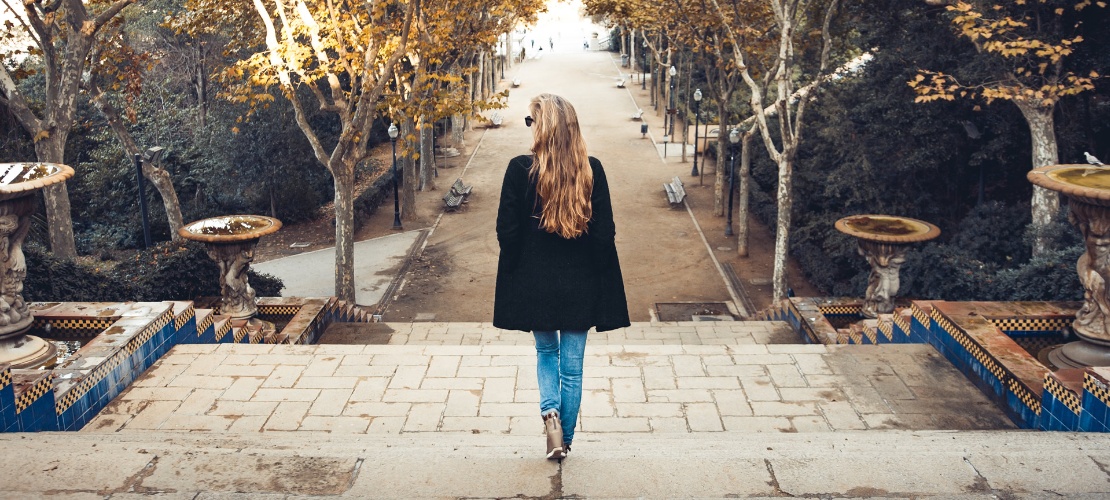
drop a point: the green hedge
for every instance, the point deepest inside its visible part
(167, 271)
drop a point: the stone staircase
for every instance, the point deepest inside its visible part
(448, 410)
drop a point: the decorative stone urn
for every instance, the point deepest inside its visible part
(18, 184)
(883, 241)
(230, 241)
(1087, 188)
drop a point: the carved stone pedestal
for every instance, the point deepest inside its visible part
(230, 241)
(234, 259)
(1088, 190)
(882, 284)
(883, 241)
(18, 184)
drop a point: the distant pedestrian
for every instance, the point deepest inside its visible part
(558, 274)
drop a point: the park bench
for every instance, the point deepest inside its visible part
(638, 115)
(496, 120)
(675, 192)
(620, 83)
(516, 82)
(456, 195)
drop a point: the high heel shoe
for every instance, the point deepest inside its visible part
(554, 430)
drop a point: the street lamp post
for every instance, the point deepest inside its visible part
(671, 110)
(643, 68)
(392, 131)
(733, 138)
(697, 118)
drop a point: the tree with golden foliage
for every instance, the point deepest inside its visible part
(1030, 42)
(344, 53)
(448, 54)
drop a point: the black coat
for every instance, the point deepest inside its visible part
(547, 282)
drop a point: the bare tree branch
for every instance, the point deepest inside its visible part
(15, 102)
(109, 13)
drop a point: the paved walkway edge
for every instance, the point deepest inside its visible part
(875, 464)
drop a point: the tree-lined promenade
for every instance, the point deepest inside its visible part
(895, 106)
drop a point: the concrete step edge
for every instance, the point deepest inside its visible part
(732, 443)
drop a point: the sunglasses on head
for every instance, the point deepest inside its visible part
(528, 120)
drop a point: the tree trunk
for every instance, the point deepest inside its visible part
(685, 113)
(632, 52)
(56, 197)
(720, 174)
(1046, 204)
(421, 158)
(719, 192)
(163, 183)
(458, 126)
(481, 90)
(472, 90)
(427, 156)
(202, 87)
(744, 178)
(157, 176)
(344, 181)
(492, 68)
(782, 229)
(409, 178)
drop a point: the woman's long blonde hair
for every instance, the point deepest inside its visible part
(564, 179)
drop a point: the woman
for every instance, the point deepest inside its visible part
(558, 273)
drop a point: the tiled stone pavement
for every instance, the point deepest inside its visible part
(719, 379)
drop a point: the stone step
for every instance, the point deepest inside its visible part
(640, 333)
(996, 464)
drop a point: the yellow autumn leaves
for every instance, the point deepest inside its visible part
(1034, 54)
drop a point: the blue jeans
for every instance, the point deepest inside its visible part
(559, 371)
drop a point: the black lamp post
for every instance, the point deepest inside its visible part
(697, 117)
(643, 67)
(392, 131)
(733, 138)
(671, 110)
